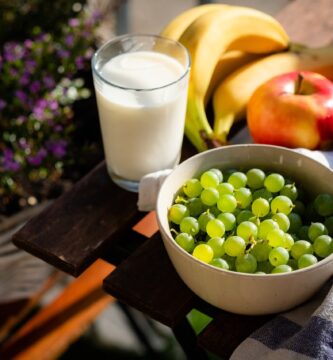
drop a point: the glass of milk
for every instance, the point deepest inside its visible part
(141, 89)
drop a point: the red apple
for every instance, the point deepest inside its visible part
(293, 110)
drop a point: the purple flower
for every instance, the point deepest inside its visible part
(49, 81)
(79, 62)
(37, 159)
(35, 86)
(57, 147)
(13, 72)
(63, 54)
(30, 65)
(53, 104)
(24, 79)
(73, 22)
(23, 143)
(13, 51)
(69, 40)
(58, 128)
(28, 43)
(21, 95)
(8, 161)
(2, 104)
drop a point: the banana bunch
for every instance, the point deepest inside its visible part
(234, 50)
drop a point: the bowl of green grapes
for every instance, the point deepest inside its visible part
(249, 228)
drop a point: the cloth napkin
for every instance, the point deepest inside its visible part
(304, 333)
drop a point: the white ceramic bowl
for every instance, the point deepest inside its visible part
(238, 292)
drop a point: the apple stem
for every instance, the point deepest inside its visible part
(298, 84)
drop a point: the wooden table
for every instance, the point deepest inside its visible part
(97, 219)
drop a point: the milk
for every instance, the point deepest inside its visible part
(142, 129)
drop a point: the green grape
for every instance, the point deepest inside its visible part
(282, 204)
(177, 212)
(228, 219)
(214, 210)
(192, 188)
(261, 251)
(278, 256)
(274, 182)
(265, 227)
(246, 263)
(216, 243)
(265, 267)
(299, 207)
(247, 230)
(255, 178)
(300, 248)
(316, 229)
(220, 263)
(237, 179)
(322, 246)
(306, 260)
(185, 241)
(295, 222)
(209, 179)
(230, 260)
(218, 172)
(260, 207)
(281, 269)
(225, 188)
(243, 215)
(189, 225)
(203, 252)
(323, 204)
(282, 220)
(293, 263)
(209, 196)
(244, 197)
(329, 225)
(203, 220)
(227, 203)
(195, 206)
(288, 241)
(276, 238)
(227, 173)
(234, 246)
(262, 193)
(311, 214)
(290, 191)
(302, 233)
(215, 228)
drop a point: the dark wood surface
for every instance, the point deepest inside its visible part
(152, 284)
(71, 233)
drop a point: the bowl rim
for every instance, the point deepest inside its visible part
(173, 243)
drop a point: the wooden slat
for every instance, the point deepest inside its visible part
(71, 232)
(227, 331)
(308, 22)
(147, 281)
(147, 226)
(52, 329)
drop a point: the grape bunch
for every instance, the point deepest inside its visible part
(251, 222)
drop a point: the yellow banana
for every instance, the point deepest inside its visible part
(227, 64)
(232, 95)
(179, 24)
(210, 35)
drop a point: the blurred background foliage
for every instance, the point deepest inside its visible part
(48, 136)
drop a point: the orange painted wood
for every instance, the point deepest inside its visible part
(57, 325)
(147, 226)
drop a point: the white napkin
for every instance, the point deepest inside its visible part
(150, 184)
(149, 187)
